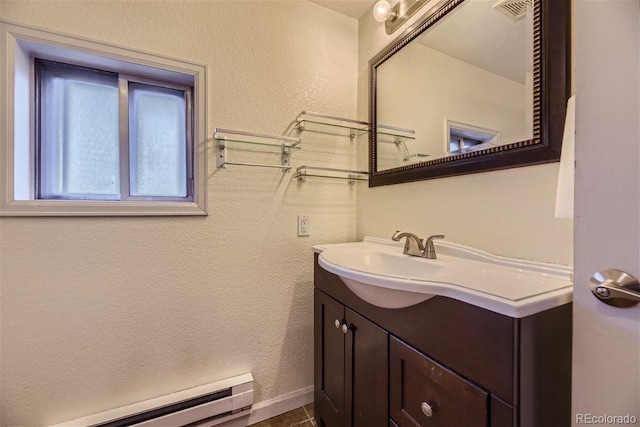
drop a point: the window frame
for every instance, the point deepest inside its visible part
(467, 132)
(19, 45)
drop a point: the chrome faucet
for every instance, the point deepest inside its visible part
(415, 246)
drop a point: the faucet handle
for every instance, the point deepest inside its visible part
(429, 249)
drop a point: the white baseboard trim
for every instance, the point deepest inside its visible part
(274, 407)
(281, 404)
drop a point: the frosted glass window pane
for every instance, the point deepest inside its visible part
(157, 141)
(79, 152)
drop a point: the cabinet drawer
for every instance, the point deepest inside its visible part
(417, 381)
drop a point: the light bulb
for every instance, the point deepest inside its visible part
(382, 11)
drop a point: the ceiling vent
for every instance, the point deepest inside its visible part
(514, 9)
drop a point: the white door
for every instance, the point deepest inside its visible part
(606, 341)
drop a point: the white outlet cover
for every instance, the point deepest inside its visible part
(303, 225)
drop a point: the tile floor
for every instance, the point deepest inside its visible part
(301, 417)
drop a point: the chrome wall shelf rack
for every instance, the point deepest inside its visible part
(394, 135)
(312, 122)
(399, 137)
(224, 137)
(351, 176)
(324, 123)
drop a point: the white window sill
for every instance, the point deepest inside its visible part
(99, 208)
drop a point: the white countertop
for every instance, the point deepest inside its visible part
(378, 271)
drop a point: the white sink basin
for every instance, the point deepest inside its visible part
(378, 272)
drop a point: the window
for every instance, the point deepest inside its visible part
(463, 137)
(107, 134)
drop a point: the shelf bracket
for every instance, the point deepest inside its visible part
(286, 157)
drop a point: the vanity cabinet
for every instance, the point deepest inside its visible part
(442, 362)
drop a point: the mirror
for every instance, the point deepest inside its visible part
(473, 87)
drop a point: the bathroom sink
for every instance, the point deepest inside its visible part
(378, 272)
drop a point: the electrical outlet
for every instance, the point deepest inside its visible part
(303, 225)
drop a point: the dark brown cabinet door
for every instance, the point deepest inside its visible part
(329, 366)
(351, 371)
(425, 393)
(367, 374)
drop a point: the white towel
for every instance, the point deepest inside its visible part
(564, 192)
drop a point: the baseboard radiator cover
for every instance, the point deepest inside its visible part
(212, 404)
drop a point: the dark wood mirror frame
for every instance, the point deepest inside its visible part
(552, 86)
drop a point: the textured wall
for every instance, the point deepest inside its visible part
(101, 312)
(509, 212)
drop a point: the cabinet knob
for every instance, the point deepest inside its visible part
(338, 323)
(426, 409)
(345, 328)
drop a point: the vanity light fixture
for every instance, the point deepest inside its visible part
(383, 11)
(397, 15)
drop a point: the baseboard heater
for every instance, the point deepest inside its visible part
(206, 405)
